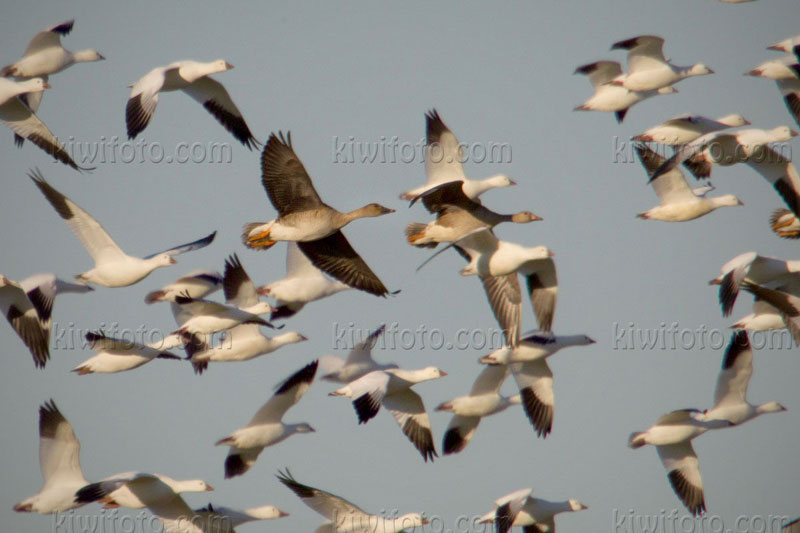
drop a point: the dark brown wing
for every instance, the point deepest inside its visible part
(286, 181)
(505, 299)
(441, 196)
(334, 256)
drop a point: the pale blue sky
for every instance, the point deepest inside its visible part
(498, 74)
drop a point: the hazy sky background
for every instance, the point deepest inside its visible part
(496, 73)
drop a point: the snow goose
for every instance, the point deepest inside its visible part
(208, 316)
(358, 363)
(392, 387)
(786, 303)
(303, 283)
(59, 460)
(528, 364)
(16, 114)
(304, 218)
(113, 267)
(672, 436)
(193, 78)
(119, 491)
(764, 317)
(497, 262)
(267, 427)
(443, 158)
(679, 202)
(749, 146)
(785, 224)
(456, 215)
(28, 306)
(611, 97)
(755, 268)
(483, 400)
(230, 518)
(245, 341)
(343, 515)
(686, 128)
(648, 70)
(117, 355)
(161, 499)
(730, 394)
(786, 73)
(534, 515)
(44, 56)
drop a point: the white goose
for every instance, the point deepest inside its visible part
(443, 158)
(528, 364)
(117, 355)
(304, 283)
(679, 202)
(686, 128)
(118, 491)
(16, 114)
(755, 268)
(344, 516)
(193, 78)
(231, 518)
(359, 361)
(534, 515)
(609, 95)
(483, 400)
(672, 436)
(245, 341)
(165, 503)
(59, 460)
(730, 394)
(392, 387)
(45, 56)
(648, 70)
(785, 224)
(28, 306)
(786, 73)
(786, 304)
(112, 266)
(764, 317)
(267, 427)
(208, 316)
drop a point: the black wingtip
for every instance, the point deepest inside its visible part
(738, 344)
(235, 466)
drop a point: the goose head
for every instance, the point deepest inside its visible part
(88, 56)
(699, 70)
(782, 133)
(162, 260)
(734, 120)
(728, 200)
(188, 485)
(260, 308)
(770, 407)
(265, 512)
(304, 428)
(575, 505)
(500, 180)
(33, 85)
(501, 356)
(539, 252)
(219, 65)
(524, 216)
(409, 521)
(667, 90)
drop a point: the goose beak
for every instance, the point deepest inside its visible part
(303, 338)
(711, 71)
(172, 260)
(228, 65)
(715, 281)
(442, 373)
(755, 72)
(154, 297)
(425, 521)
(583, 507)
(263, 291)
(747, 122)
(740, 202)
(551, 253)
(775, 48)
(101, 57)
(46, 85)
(281, 514)
(209, 488)
(512, 182)
(794, 133)
(592, 341)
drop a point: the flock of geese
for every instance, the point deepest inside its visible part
(320, 262)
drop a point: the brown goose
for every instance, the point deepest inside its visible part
(304, 218)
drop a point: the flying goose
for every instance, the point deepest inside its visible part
(117, 355)
(763, 318)
(166, 504)
(528, 364)
(28, 307)
(22, 120)
(786, 304)
(267, 427)
(343, 515)
(112, 266)
(456, 215)
(758, 269)
(443, 158)
(679, 202)
(672, 436)
(44, 56)
(686, 128)
(193, 78)
(534, 515)
(303, 283)
(730, 394)
(303, 217)
(484, 399)
(120, 490)
(207, 316)
(786, 73)
(609, 95)
(59, 460)
(245, 341)
(391, 387)
(358, 363)
(648, 70)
